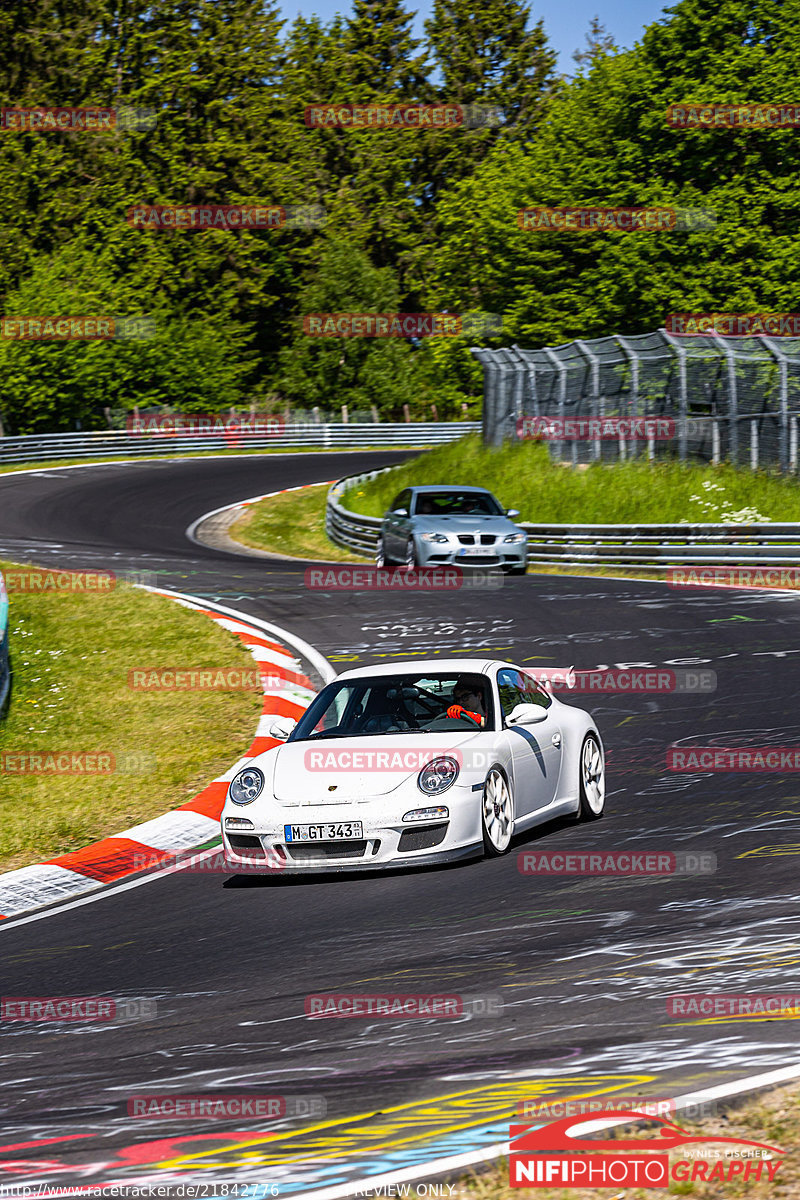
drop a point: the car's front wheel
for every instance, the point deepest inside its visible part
(411, 556)
(497, 813)
(592, 780)
(381, 559)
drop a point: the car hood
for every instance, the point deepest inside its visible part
(305, 772)
(445, 524)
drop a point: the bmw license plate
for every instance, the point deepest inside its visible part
(340, 832)
(469, 551)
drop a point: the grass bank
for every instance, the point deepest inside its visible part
(292, 524)
(71, 654)
(522, 476)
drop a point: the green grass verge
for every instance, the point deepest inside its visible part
(522, 476)
(291, 524)
(71, 654)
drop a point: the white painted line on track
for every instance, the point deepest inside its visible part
(321, 663)
(457, 1162)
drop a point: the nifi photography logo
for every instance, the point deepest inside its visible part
(633, 1162)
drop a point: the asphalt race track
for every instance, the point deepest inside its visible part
(583, 965)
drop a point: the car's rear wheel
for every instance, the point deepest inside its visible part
(592, 780)
(497, 813)
(411, 556)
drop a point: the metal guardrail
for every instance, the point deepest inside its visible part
(654, 547)
(111, 443)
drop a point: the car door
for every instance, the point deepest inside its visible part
(535, 750)
(395, 533)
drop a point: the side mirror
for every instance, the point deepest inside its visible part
(526, 714)
(512, 512)
(281, 727)
(400, 512)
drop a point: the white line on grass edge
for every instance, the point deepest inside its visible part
(322, 665)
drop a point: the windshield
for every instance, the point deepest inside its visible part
(457, 504)
(398, 704)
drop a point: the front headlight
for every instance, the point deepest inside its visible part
(516, 538)
(246, 786)
(433, 537)
(437, 776)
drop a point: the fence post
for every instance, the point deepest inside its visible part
(344, 414)
(374, 414)
(754, 445)
(793, 445)
(315, 411)
(407, 413)
(562, 402)
(783, 400)
(715, 442)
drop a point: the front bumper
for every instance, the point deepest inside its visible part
(433, 554)
(388, 842)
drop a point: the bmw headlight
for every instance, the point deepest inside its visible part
(516, 538)
(246, 786)
(437, 776)
(433, 537)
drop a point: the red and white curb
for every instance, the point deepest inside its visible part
(287, 693)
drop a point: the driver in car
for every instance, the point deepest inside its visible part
(468, 703)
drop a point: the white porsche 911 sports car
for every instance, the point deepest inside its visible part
(413, 763)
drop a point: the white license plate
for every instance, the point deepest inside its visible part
(340, 832)
(474, 550)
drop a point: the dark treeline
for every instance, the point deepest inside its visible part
(416, 220)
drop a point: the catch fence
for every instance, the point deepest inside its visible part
(727, 398)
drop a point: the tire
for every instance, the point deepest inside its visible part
(518, 570)
(592, 780)
(381, 559)
(497, 814)
(411, 556)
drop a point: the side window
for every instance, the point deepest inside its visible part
(516, 688)
(402, 501)
(534, 694)
(511, 689)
